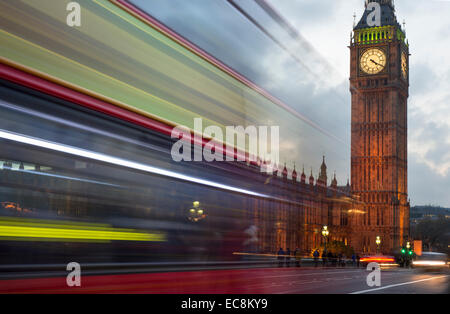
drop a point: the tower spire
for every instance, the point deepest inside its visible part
(294, 174)
(323, 172)
(303, 176)
(387, 11)
(285, 172)
(387, 2)
(334, 181)
(311, 178)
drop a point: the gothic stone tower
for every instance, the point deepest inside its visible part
(379, 88)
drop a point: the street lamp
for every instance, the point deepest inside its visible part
(196, 213)
(378, 242)
(325, 234)
(408, 245)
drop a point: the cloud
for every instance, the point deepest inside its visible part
(430, 144)
(425, 187)
(429, 118)
(422, 78)
(428, 30)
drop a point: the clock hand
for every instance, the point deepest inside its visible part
(375, 62)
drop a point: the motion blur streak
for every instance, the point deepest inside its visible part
(377, 260)
(19, 228)
(77, 125)
(63, 177)
(119, 162)
(429, 263)
(159, 78)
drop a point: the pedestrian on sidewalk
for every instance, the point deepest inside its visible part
(316, 255)
(280, 257)
(330, 257)
(298, 257)
(288, 257)
(324, 258)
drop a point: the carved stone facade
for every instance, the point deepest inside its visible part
(308, 205)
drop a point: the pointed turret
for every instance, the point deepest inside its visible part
(294, 175)
(311, 178)
(303, 176)
(275, 170)
(323, 173)
(334, 181)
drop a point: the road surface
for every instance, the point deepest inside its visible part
(309, 280)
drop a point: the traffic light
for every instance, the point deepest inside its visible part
(410, 253)
(403, 251)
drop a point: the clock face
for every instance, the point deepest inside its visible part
(373, 61)
(404, 65)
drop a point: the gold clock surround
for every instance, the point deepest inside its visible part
(404, 63)
(373, 61)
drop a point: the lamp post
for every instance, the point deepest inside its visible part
(325, 234)
(409, 253)
(196, 213)
(378, 242)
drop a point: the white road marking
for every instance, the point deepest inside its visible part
(310, 274)
(398, 284)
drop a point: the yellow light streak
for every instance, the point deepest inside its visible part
(35, 229)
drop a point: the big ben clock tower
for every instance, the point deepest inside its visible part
(379, 87)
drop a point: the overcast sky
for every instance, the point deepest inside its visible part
(318, 86)
(428, 32)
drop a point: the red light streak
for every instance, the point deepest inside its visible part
(377, 259)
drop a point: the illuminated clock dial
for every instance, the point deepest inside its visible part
(373, 61)
(404, 65)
